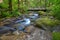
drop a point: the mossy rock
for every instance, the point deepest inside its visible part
(42, 13)
(47, 22)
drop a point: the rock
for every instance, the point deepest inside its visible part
(19, 27)
(29, 29)
(40, 34)
(16, 32)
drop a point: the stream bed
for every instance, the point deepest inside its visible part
(24, 30)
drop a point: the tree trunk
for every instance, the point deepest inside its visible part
(10, 6)
(18, 5)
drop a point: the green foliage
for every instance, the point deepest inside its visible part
(14, 5)
(56, 11)
(55, 8)
(4, 15)
(35, 3)
(56, 36)
(15, 14)
(4, 4)
(7, 14)
(24, 5)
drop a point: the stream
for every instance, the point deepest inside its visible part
(24, 25)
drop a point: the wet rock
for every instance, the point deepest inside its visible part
(4, 30)
(29, 29)
(18, 21)
(19, 27)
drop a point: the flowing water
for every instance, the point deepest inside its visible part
(23, 27)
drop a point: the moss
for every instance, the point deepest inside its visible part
(42, 13)
(47, 21)
(56, 36)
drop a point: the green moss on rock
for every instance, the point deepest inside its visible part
(47, 21)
